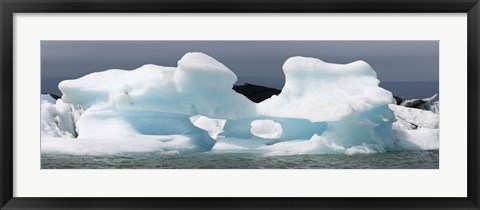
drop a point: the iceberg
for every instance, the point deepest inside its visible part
(58, 118)
(185, 90)
(415, 129)
(412, 118)
(323, 108)
(47, 98)
(320, 91)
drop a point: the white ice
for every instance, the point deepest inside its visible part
(58, 118)
(323, 108)
(168, 144)
(214, 127)
(47, 98)
(415, 129)
(321, 91)
(409, 117)
(267, 129)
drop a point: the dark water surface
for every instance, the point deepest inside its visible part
(412, 90)
(389, 160)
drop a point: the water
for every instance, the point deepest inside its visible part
(389, 160)
(412, 90)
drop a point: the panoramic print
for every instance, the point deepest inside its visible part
(239, 104)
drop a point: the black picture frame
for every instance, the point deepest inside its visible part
(10, 7)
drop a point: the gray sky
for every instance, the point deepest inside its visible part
(257, 62)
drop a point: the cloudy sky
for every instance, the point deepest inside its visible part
(258, 62)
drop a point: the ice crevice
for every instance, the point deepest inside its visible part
(323, 108)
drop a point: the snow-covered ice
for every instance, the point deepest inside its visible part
(415, 129)
(415, 117)
(323, 108)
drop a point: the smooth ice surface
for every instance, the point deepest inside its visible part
(199, 85)
(320, 91)
(207, 85)
(197, 70)
(323, 108)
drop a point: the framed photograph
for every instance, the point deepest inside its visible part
(239, 105)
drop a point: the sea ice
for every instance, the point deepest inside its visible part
(412, 118)
(58, 118)
(47, 98)
(320, 91)
(323, 108)
(415, 129)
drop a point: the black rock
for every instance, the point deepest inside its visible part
(256, 93)
(398, 99)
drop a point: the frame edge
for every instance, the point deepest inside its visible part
(7, 200)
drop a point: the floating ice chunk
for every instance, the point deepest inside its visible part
(267, 129)
(419, 139)
(58, 119)
(48, 98)
(321, 91)
(323, 108)
(214, 127)
(412, 118)
(156, 100)
(415, 129)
